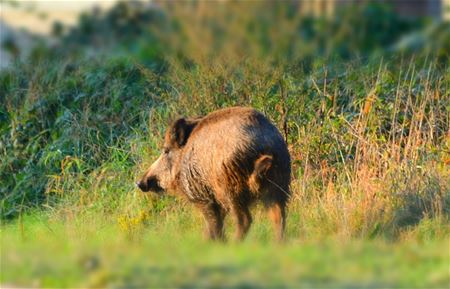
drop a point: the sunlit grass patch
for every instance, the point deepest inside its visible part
(45, 252)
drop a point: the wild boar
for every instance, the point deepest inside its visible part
(224, 162)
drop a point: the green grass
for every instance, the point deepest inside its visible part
(166, 250)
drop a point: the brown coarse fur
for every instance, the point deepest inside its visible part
(224, 162)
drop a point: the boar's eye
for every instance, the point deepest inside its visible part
(165, 151)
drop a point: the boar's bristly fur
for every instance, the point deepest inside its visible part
(224, 162)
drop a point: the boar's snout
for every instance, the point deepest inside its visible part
(142, 185)
(149, 184)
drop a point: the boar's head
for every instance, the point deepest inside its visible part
(162, 173)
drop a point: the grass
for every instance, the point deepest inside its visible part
(370, 186)
(165, 250)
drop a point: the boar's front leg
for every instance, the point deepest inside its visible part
(214, 216)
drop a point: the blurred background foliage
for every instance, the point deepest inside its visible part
(362, 97)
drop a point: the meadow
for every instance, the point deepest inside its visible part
(365, 114)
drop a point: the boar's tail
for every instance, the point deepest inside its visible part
(257, 177)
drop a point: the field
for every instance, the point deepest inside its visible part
(366, 121)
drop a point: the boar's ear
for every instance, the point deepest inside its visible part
(180, 131)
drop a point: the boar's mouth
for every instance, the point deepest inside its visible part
(151, 184)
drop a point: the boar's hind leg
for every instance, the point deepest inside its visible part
(277, 214)
(214, 215)
(243, 220)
